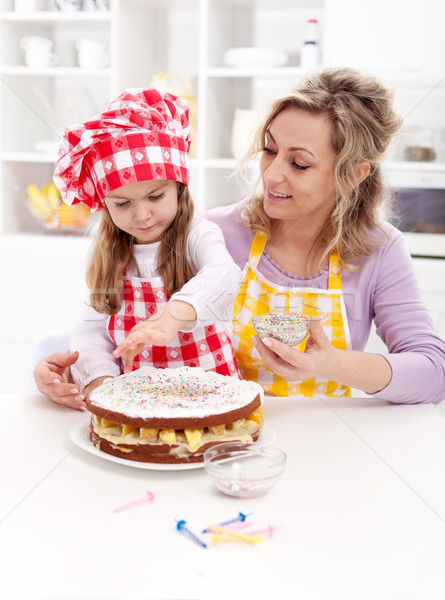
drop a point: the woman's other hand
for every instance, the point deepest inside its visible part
(53, 379)
(364, 371)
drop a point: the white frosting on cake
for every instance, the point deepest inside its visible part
(187, 392)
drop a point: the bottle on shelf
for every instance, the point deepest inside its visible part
(310, 50)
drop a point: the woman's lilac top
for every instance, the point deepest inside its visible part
(385, 290)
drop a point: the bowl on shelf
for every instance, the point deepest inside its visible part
(288, 327)
(258, 58)
(244, 469)
(51, 214)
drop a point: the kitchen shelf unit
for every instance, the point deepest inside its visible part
(37, 103)
(189, 38)
(222, 89)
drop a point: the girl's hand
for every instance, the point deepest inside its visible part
(158, 330)
(53, 379)
(293, 365)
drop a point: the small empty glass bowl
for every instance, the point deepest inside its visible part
(288, 327)
(244, 469)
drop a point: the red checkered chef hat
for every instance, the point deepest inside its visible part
(143, 135)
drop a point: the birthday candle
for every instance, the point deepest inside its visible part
(241, 525)
(241, 517)
(180, 526)
(148, 497)
(270, 530)
(236, 535)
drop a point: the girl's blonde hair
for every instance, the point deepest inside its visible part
(363, 125)
(112, 254)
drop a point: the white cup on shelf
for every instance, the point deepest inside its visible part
(38, 51)
(91, 54)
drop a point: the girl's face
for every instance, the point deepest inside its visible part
(144, 209)
(297, 168)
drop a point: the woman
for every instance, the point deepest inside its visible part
(313, 239)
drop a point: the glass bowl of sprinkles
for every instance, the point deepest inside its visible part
(243, 469)
(288, 327)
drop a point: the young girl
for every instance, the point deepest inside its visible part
(155, 270)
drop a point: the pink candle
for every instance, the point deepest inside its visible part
(148, 497)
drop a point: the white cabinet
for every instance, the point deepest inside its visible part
(401, 42)
(380, 35)
(401, 37)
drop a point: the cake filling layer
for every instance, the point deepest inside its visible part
(189, 440)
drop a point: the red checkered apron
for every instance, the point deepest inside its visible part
(207, 347)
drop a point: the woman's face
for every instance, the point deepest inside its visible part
(144, 209)
(297, 168)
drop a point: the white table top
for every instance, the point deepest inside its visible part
(361, 505)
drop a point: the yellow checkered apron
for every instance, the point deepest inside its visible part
(257, 295)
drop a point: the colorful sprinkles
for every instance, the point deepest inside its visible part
(288, 327)
(150, 392)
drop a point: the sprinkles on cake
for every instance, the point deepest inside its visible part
(188, 389)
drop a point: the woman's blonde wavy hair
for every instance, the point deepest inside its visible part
(364, 123)
(112, 253)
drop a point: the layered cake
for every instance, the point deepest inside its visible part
(173, 415)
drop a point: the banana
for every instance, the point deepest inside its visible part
(52, 194)
(40, 207)
(38, 203)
